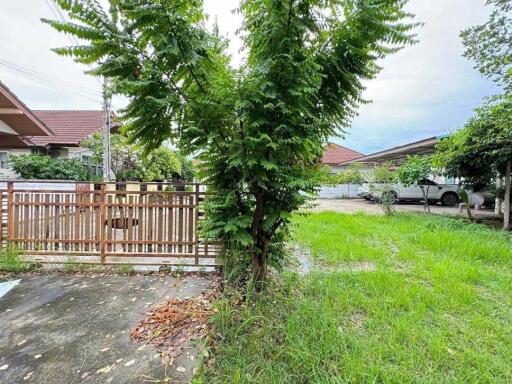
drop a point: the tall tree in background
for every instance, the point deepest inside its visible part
(259, 128)
(490, 47)
(482, 149)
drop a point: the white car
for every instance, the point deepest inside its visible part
(364, 191)
(447, 194)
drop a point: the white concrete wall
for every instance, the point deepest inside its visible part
(336, 169)
(34, 185)
(77, 152)
(340, 191)
(7, 173)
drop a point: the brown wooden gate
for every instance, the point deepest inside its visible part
(107, 223)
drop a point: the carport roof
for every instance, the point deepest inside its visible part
(18, 117)
(399, 153)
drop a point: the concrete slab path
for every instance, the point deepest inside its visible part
(75, 329)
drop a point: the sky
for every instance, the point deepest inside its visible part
(425, 90)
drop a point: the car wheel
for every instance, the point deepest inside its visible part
(449, 199)
(391, 196)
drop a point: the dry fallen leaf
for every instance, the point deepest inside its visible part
(28, 376)
(181, 369)
(22, 342)
(84, 375)
(128, 363)
(105, 349)
(104, 369)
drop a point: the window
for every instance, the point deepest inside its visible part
(4, 160)
(428, 182)
(93, 168)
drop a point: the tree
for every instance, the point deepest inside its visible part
(259, 128)
(125, 163)
(44, 167)
(161, 164)
(490, 45)
(130, 163)
(482, 149)
(414, 171)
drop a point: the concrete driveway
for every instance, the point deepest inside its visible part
(75, 329)
(361, 205)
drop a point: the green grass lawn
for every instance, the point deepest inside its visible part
(436, 307)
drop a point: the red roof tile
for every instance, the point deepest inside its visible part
(69, 127)
(335, 154)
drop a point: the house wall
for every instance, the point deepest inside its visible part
(8, 173)
(336, 169)
(340, 191)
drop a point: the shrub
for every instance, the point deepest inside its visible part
(10, 261)
(46, 167)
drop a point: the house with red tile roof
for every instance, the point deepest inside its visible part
(57, 133)
(335, 154)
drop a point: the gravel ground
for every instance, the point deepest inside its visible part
(361, 205)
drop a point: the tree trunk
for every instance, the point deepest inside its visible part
(468, 210)
(506, 203)
(259, 269)
(425, 197)
(499, 201)
(260, 242)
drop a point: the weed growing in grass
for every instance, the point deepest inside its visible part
(124, 269)
(10, 261)
(73, 266)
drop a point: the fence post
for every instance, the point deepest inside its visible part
(196, 229)
(102, 222)
(10, 218)
(2, 219)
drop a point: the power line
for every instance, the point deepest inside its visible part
(53, 83)
(29, 71)
(57, 13)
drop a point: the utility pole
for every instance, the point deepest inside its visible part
(106, 132)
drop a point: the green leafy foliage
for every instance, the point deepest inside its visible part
(489, 45)
(414, 171)
(161, 164)
(259, 129)
(481, 149)
(352, 175)
(129, 162)
(381, 174)
(49, 168)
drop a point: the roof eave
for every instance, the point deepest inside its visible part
(26, 110)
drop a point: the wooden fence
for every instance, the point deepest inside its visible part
(107, 223)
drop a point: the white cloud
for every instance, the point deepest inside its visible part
(427, 88)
